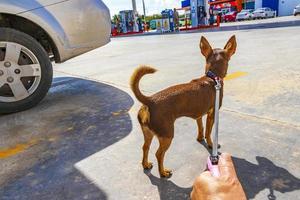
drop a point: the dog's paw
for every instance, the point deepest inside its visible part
(147, 165)
(200, 140)
(166, 173)
(210, 146)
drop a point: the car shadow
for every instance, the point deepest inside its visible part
(77, 119)
(253, 177)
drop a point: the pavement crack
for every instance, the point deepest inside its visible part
(283, 123)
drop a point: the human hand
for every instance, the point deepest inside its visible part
(224, 187)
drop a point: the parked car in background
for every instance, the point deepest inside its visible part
(34, 33)
(245, 15)
(297, 10)
(262, 13)
(230, 17)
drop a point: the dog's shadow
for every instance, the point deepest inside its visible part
(253, 177)
(167, 189)
(264, 175)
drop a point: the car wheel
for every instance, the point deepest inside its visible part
(25, 71)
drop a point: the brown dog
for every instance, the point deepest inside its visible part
(194, 99)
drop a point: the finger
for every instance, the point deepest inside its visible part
(226, 166)
(201, 185)
(206, 174)
(203, 176)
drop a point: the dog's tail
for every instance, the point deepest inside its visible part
(135, 80)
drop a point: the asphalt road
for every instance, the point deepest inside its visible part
(83, 141)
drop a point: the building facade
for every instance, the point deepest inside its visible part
(282, 7)
(286, 7)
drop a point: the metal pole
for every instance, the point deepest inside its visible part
(206, 8)
(135, 15)
(134, 5)
(144, 9)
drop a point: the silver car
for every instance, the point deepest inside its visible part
(297, 10)
(35, 32)
(244, 15)
(262, 13)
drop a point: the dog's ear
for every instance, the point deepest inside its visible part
(231, 45)
(205, 47)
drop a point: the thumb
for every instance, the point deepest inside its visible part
(226, 166)
(204, 176)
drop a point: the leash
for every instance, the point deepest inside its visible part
(213, 159)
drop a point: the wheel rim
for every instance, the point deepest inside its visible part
(20, 72)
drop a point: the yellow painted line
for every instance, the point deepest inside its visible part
(119, 112)
(70, 129)
(116, 113)
(235, 75)
(5, 153)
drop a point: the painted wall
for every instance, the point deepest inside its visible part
(273, 4)
(286, 7)
(258, 4)
(249, 5)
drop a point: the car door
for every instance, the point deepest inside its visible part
(267, 12)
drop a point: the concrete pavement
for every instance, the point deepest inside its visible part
(83, 141)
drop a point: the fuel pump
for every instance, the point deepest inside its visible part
(167, 20)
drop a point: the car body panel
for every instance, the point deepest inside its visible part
(68, 23)
(297, 10)
(230, 17)
(18, 6)
(244, 15)
(264, 13)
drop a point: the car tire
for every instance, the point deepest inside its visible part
(33, 80)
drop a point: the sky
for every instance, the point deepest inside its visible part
(152, 6)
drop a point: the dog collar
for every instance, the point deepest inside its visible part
(218, 81)
(213, 76)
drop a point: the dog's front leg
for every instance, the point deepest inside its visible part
(209, 125)
(200, 129)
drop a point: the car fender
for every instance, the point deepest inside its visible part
(48, 22)
(19, 6)
(65, 28)
(35, 12)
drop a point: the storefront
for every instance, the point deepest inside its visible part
(283, 7)
(248, 4)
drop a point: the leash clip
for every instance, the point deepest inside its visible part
(218, 85)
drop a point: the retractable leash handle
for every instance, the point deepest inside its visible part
(212, 162)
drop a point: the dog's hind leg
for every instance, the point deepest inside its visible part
(200, 129)
(148, 136)
(164, 144)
